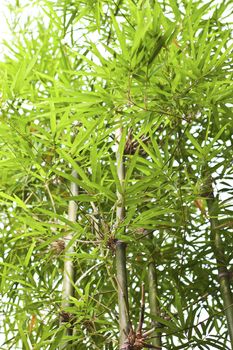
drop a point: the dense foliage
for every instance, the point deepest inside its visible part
(74, 73)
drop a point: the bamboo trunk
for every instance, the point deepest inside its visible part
(68, 274)
(218, 250)
(121, 273)
(153, 302)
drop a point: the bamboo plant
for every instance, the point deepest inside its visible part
(148, 86)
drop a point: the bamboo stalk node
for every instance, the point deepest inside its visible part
(224, 274)
(136, 340)
(66, 317)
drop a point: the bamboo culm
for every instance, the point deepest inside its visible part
(121, 273)
(153, 302)
(68, 273)
(223, 273)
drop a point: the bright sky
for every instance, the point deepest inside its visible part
(4, 33)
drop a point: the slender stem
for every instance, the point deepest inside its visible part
(142, 312)
(121, 273)
(51, 197)
(218, 249)
(153, 302)
(120, 211)
(68, 274)
(124, 322)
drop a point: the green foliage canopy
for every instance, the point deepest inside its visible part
(73, 74)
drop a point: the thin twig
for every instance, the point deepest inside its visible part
(142, 311)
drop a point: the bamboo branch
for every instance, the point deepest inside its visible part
(124, 322)
(68, 274)
(218, 250)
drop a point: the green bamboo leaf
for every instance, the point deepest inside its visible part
(32, 63)
(191, 36)
(75, 166)
(161, 42)
(178, 305)
(175, 9)
(86, 98)
(45, 76)
(194, 143)
(80, 141)
(190, 320)
(121, 144)
(23, 337)
(205, 62)
(151, 213)
(203, 41)
(131, 167)
(29, 253)
(97, 11)
(15, 199)
(20, 203)
(216, 60)
(144, 20)
(94, 161)
(76, 226)
(120, 36)
(105, 191)
(216, 138)
(115, 176)
(169, 324)
(19, 77)
(57, 339)
(4, 276)
(157, 150)
(23, 72)
(150, 153)
(53, 123)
